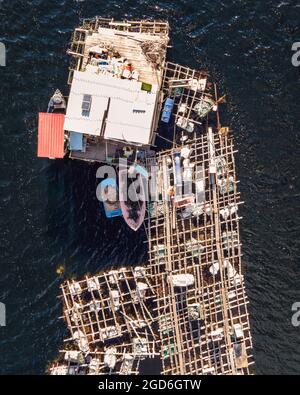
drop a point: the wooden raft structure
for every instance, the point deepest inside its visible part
(136, 45)
(194, 243)
(143, 42)
(109, 317)
(182, 244)
(188, 305)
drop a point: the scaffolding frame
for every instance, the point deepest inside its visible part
(201, 239)
(199, 327)
(109, 310)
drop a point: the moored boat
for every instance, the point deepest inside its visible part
(109, 194)
(133, 211)
(57, 103)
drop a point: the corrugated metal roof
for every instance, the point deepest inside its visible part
(51, 135)
(129, 110)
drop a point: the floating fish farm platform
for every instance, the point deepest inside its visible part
(186, 308)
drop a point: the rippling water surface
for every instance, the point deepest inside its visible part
(49, 213)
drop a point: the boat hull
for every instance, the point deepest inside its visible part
(133, 212)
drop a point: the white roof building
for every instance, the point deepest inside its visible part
(114, 108)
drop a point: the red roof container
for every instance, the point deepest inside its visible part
(51, 135)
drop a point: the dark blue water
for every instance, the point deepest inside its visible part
(49, 213)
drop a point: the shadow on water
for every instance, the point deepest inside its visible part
(151, 366)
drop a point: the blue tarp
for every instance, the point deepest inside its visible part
(76, 141)
(167, 111)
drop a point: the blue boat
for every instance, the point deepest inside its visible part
(110, 198)
(141, 170)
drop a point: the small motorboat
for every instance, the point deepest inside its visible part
(57, 103)
(110, 200)
(133, 211)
